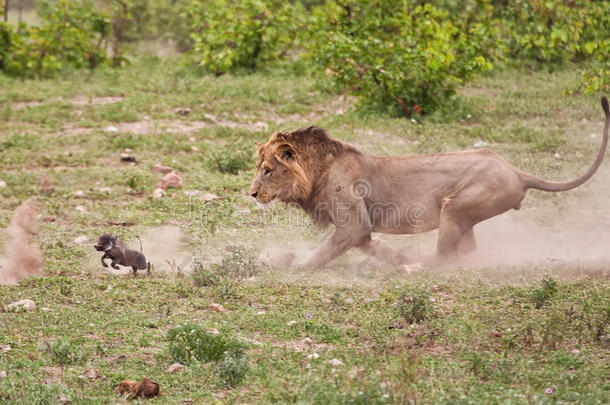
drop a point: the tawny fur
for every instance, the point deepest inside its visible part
(360, 194)
(23, 258)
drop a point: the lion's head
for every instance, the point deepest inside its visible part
(291, 164)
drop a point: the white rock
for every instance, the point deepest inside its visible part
(175, 368)
(209, 197)
(81, 240)
(111, 128)
(261, 313)
(217, 307)
(105, 189)
(575, 351)
(290, 323)
(3, 374)
(6, 348)
(158, 193)
(81, 209)
(79, 193)
(335, 362)
(23, 304)
(2, 184)
(214, 331)
(557, 155)
(314, 355)
(92, 373)
(480, 144)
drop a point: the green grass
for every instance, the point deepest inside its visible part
(343, 334)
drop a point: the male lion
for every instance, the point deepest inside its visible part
(360, 194)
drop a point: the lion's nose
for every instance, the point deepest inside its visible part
(254, 194)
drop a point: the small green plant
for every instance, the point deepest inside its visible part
(547, 290)
(238, 264)
(415, 307)
(64, 351)
(231, 158)
(192, 342)
(232, 370)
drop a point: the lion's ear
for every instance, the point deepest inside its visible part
(284, 152)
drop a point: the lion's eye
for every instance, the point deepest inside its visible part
(267, 172)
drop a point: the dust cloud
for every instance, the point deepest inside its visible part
(23, 258)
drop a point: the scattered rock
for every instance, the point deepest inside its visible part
(217, 307)
(290, 323)
(45, 184)
(214, 331)
(175, 368)
(111, 128)
(64, 400)
(158, 193)
(81, 209)
(261, 126)
(313, 355)
(480, 144)
(3, 374)
(183, 111)
(105, 189)
(207, 197)
(261, 313)
(161, 169)
(6, 348)
(335, 362)
(557, 155)
(2, 183)
(194, 149)
(79, 193)
(575, 351)
(307, 341)
(128, 158)
(81, 240)
(23, 305)
(45, 309)
(92, 373)
(171, 179)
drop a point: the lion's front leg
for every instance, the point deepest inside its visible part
(340, 242)
(381, 251)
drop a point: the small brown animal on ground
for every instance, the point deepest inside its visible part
(116, 251)
(336, 184)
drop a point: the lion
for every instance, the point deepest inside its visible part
(359, 194)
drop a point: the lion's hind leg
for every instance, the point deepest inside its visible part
(468, 243)
(382, 251)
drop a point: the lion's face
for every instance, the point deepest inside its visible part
(273, 180)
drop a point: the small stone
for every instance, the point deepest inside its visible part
(217, 307)
(111, 128)
(314, 355)
(175, 368)
(64, 400)
(105, 189)
(171, 179)
(261, 126)
(214, 332)
(261, 313)
(335, 362)
(291, 323)
(307, 341)
(480, 144)
(92, 373)
(81, 209)
(3, 374)
(6, 348)
(158, 193)
(183, 111)
(575, 351)
(161, 169)
(81, 240)
(208, 197)
(79, 193)
(45, 309)
(194, 149)
(557, 155)
(23, 304)
(2, 183)
(128, 150)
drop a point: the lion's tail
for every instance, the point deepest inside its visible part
(532, 181)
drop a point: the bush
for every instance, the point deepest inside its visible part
(232, 370)
(64, 351)
(192, 342)
(71, 34)
(395, 54)
(548, 289)
(231, 158)
(231, 34)
(414, 307)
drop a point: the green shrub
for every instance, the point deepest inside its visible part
(231, 158)
(192, 342)
(231, 34)
(548, 289)
(415, 306)
(232, 370)
(71, 34)
(398, 54)
(64, 351)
